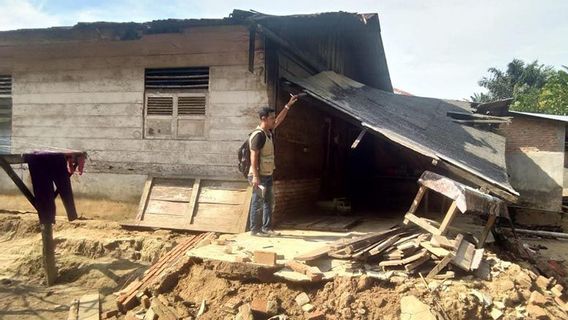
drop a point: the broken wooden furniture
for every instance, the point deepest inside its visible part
(464, 199)
(194, 204)
(6, 162)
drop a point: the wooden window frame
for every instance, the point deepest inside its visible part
(174, 118)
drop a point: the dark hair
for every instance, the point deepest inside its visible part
(265, 112)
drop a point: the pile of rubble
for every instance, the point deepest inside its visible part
(404, 248)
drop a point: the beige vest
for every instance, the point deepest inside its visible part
(266, 159)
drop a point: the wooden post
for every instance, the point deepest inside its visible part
(48, 253)
(415, 203)
(486, 230)
(452, 211)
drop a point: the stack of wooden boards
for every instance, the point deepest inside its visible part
(159, 274)
(407, 248)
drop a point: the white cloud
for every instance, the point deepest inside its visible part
(433, 48)
(23, 14)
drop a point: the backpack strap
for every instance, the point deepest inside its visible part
(253, 133)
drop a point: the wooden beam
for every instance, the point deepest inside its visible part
(486, 230)
(19, 183)
(48, 253)
(496, 190)
(144, 198)
(450, 215)
(421, 223)
(358, 139)
(193, 199)
(417, 199)
(441, 265)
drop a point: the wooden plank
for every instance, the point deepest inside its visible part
(450, 215)
(358, 139)
(439, 252)
(311, 272)
(314, 254)
(443, 242)
(169, 193)
(207, 195)
(421, 223)
(166, 208)
(72, 121)
(384, 245)
(440, 265)
(241, 225)
(415, 264)
(89, 307)
(404, 261)
(416, 202)
(190, 213)
(464, 255)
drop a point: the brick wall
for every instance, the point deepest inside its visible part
(294, 197)
(527, 134)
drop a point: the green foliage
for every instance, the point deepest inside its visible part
(534, 87)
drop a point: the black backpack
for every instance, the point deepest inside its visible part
(243, 155)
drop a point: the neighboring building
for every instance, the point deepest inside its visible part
(536, 158)
(178, 97)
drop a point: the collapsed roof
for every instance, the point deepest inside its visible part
(418, 123)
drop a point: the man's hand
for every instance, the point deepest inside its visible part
(292, 100)
(255, 181)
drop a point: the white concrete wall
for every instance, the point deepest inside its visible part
(92, 100)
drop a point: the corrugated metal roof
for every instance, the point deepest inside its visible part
(542, 116)
(418, 123)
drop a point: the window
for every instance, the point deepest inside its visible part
(5, 112)
(175, 103)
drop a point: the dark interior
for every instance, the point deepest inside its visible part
(378, 177)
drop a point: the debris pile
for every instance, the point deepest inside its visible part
(404, 248)
(160, 277)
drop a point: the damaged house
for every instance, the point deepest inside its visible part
(161, 108)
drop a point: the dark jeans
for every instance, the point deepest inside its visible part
(260, 203)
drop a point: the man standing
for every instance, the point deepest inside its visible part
(261, 168)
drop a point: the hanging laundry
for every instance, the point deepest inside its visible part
(47, 169)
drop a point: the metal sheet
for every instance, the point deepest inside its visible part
(418, 123)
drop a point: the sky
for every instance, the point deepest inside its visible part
(433, 48)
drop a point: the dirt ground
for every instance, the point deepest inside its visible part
(91, 255)
(98, 255)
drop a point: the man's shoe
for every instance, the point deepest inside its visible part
(271, 233)
(258, 234)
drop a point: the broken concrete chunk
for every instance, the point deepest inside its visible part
(557, 290)
(150, 315)
(307, 307)
(258, 305)
(245, 313)
(537, 298)
(413, 309)
(483, 297)
(302, 299)
(542, 283)
(523, 280)
(496, 313)
(346, 299)
(265, 257)
(232, 305)
(145, 301)
(536, 312)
